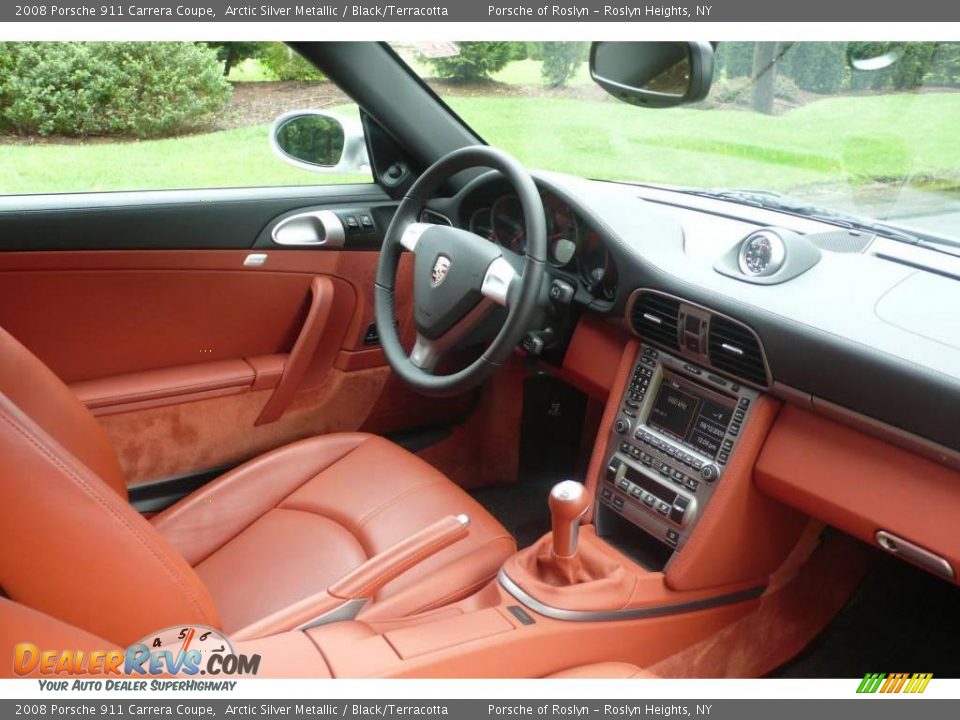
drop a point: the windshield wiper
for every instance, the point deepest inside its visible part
(770, 200)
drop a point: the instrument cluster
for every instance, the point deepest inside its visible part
(573, 248)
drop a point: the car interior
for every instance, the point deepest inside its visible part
(471, 419)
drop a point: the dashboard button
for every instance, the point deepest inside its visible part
(606, 494)
(650, 500)
(665, 469)
(663, 508)
(710, 472)
(636, 492)
(722, 457)
(672, 537)
(624, 484)
(692, 484)
(618, 502)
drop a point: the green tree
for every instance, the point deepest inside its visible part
(561, 60)
(286, 64)
(475, 61)
(232, 54)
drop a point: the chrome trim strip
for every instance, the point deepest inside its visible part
(630, 614)
(348, 611)
(682, 352)
(903, 548)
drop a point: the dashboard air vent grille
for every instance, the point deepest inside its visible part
(655, 317)
(735, 350)
(434, 218)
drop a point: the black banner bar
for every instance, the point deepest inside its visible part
(482, 11)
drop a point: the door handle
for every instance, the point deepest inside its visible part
(304, 349)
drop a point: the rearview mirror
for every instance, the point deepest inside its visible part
(653, 74)
(321, 142)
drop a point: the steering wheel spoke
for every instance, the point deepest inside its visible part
(498, 281)
(411, 235)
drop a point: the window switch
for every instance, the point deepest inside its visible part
(366, 221)
(352, 223)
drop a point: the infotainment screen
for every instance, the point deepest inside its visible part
(694, 415)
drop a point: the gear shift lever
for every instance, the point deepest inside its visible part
(568, 502)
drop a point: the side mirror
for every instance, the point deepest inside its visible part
(653, 74)
(869, 57)
(321, 142)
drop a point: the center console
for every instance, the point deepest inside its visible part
(677, 427)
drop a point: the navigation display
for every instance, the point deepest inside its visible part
(695, 416)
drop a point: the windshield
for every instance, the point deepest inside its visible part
(874, 138)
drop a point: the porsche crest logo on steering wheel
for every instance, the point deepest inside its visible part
(440, 269)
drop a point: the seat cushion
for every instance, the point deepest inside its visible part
(605, 670)
(288, 524)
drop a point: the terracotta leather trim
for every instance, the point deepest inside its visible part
(600, 449)
(604, 670)
(295, 368)
(153, 388)
(593, 356)
(860, 484)
(365, 581)
(182, 586)
(267, 370)
(743, 535)
(242, 495)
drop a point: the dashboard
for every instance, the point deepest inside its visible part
(845, 324)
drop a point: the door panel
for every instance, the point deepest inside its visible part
(178, 346)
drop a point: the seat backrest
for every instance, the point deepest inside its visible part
(74, 548)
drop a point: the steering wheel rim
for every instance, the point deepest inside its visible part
(500, 283)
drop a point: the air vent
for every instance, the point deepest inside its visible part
(434, 218)
(654, 316)
(735, 350)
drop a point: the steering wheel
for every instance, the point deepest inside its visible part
(459, 277)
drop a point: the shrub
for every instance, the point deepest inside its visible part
(285, 63)
(561, 60)
(232, 53)
(147, 89)
(476, 61)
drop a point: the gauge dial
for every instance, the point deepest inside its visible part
(480, 224)
(508, 226)
(563, 232)
(184, 638)
(761, 253)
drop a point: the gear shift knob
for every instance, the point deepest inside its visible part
(568, 503)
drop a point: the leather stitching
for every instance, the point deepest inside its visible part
(84, 486)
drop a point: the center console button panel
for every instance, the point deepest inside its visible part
(676, 430)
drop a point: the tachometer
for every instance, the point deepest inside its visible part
(480, 224)
(508, 226)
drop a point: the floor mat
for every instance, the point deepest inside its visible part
(521, 507)
(901, 619)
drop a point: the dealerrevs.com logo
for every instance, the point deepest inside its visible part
(911, 683)
(189, 651)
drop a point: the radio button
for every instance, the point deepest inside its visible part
(722, 458)
(663, 508)
(697, 465)
(672, 537)
(606, 494)
(636, 492)
(665, 469)
(624, 484)
(618, 502)
(678, 476)
(650, 500)
(646, 458)
(692, 484)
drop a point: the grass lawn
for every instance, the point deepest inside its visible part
(845, 140)
(527, 72)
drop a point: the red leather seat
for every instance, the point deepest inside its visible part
(604, 670)
(273, 531)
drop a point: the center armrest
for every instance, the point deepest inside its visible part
(347, 596)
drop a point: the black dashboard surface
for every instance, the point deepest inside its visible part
(821, 332)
